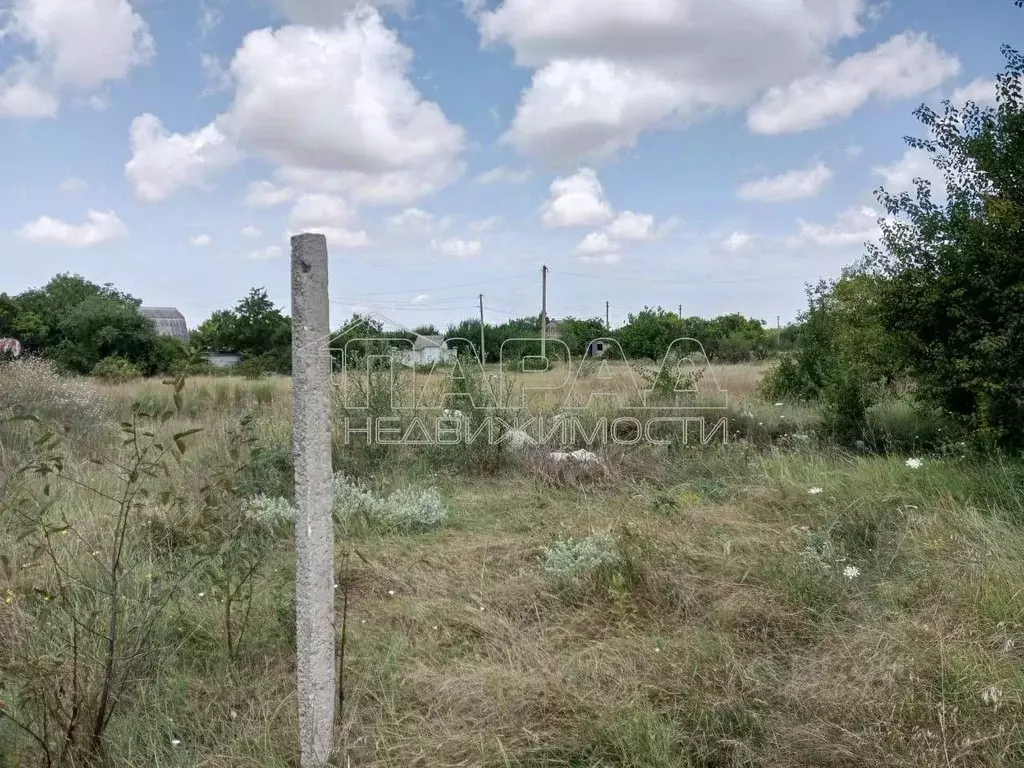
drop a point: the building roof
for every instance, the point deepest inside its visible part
(422, 342)
(168, 321)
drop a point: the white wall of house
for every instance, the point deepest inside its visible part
(223, 361)
(426, 356)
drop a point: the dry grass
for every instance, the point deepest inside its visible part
(544, 390)
(718, 644)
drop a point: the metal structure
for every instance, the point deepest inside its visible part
(168, 321)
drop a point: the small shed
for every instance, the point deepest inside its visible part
(427, 350)
(168, 321)
(597, 348)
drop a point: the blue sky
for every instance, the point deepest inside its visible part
(717, 154)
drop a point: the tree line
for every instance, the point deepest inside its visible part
(96, 329)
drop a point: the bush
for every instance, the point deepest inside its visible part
(407, 510)
(34, 387)
(271, 513)
(116, 370)
(270, 471)
(568, 560)
(787, 380)
(254, 368)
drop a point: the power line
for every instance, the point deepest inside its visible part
(685, 281)
(496, 278)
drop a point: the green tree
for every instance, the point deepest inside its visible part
(77, 323)
(255, 329)
(648, 334)
(955, 289)
(577, 334)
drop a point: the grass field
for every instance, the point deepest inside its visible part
(766, 602)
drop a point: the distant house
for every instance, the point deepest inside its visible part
(597, 348)
(223, 359)
(168, 321)
(552, 329)
(427, 350)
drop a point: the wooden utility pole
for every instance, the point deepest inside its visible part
(314, 526)
(543, 310)
(483, 357)
(607, 323)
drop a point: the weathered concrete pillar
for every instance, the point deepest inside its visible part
(314, 530)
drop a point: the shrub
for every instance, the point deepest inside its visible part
(272, 513)
(270, 470)
(569, 560)
(254, 368)
(34, 387)
(116, 370)
(407, 510)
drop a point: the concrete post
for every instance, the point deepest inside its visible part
(314, 530)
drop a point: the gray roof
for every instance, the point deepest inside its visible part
(168, 321)
(422, 342)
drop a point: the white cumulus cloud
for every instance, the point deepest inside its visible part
(853, 227)
(457, 247)
(413, 221)
(99, 227)
(605, 70)
(915, 163)
(737, 241)
(982, 91)
(333, 110)
(503, 174)
(266, 194)
(906, 65)
(330, 216)
(632, 226)
(201, 240)
(77, 47)
(330, 12)
(576, 201)
(596, 242)
(163, 162)
(791, 185)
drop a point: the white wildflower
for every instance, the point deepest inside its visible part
(582, 456)
(814, 491)
(992, 696)
(778, 405)
(914, 463)
(851, 572)
(391, 592)
(175, 742)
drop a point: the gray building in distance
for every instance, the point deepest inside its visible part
(168, 321)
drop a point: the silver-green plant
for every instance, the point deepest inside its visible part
(568, 560)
